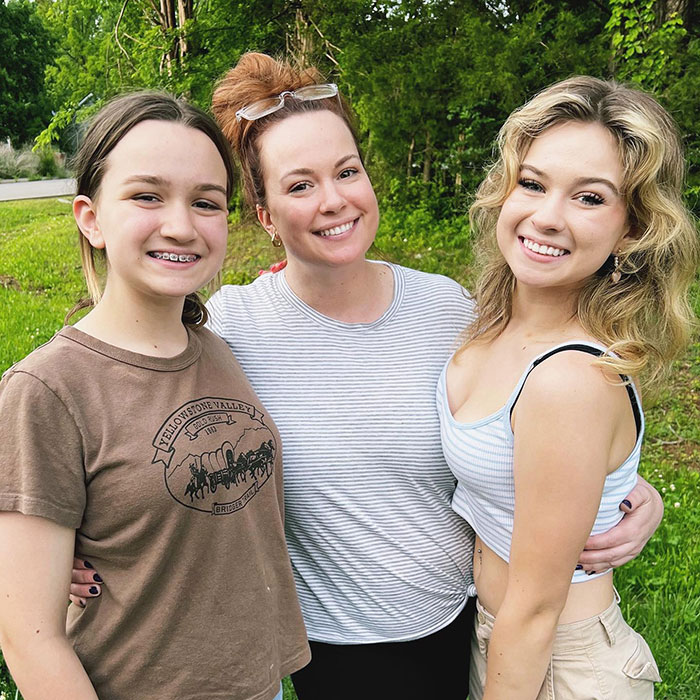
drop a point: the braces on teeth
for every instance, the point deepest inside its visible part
(174, 257)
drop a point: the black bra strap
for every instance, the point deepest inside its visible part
(598, 353)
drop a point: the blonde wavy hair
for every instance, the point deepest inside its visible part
(646, 318)
(258, 76)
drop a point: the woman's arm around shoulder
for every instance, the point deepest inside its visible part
(35, 564)
(564, 424)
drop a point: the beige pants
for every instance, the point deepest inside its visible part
(600, 658)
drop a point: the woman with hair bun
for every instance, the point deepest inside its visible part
(588, 254)
(346, 352)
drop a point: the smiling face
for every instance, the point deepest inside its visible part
(566, 215)
(319, 199)
(160, 212)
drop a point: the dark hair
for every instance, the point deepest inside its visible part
(107, 128)
(255, 77)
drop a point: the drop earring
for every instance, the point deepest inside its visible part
(275, 239)
(616, 274)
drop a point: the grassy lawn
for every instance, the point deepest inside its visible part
(40, 280)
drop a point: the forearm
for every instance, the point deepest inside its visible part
(35, 561)
(46, 667)
(519, 652)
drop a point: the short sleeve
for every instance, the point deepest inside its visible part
(41, 454)
(214, 308)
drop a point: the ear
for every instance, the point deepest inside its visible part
(85, 213)
(265, 219)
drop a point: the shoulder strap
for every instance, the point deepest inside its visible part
(580, 347)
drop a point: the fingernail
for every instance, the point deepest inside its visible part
(88, 565)
(579, 567)
(98, 578)
(588, 573)
(93, 590)
(625, 502)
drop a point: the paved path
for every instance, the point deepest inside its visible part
(36, 189)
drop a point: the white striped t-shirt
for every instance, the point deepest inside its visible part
(378, 553)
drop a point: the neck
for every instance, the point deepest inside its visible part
(356, 293)
(544, 314)
(150, 327)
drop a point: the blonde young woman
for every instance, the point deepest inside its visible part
(345, 352)
(582, 304)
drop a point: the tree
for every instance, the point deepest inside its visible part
(181, 46)
(25, 50)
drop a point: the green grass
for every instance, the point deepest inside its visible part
(40, 280)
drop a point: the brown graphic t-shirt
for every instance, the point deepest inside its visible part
(170, 471)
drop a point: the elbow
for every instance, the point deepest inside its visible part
(539, 610)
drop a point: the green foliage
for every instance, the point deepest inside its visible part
(25, 49)
(415, 237)
(652, 48)
(645, 46)
(25, 163)
(106, 48)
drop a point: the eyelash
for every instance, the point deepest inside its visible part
(591, 199)
(343, 175)
(588, 198)
(205, 204)
(199, 204)
(530, 185)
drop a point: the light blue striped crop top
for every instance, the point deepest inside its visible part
(480, 455)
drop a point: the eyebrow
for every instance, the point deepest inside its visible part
(309, 171)
(579, 181)
(162, 182)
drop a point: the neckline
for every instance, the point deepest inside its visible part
(164, 364)
(326, 321)
(498, 413)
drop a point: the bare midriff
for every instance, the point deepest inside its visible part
(585, 599)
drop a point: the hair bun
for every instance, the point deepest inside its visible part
(255, 77)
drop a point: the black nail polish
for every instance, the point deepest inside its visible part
(88, 565)
(625, 502)
(588, 573)
(579, 567)
(93, 590)
(98, 578)
(81, 603)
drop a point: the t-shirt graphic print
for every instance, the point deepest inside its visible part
(216, 454)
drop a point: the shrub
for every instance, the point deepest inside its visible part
(25, 162)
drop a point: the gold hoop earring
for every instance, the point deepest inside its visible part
(616, 274)
(276, 240)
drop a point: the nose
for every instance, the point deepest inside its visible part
(548, 215)
(332, 198)
(177, 223)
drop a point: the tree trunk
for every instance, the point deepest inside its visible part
(458, 175)
(409, 160)
(184, 13)
(427, 156)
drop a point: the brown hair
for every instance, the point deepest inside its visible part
(255, 77)
(107, 128)
(646, 317)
